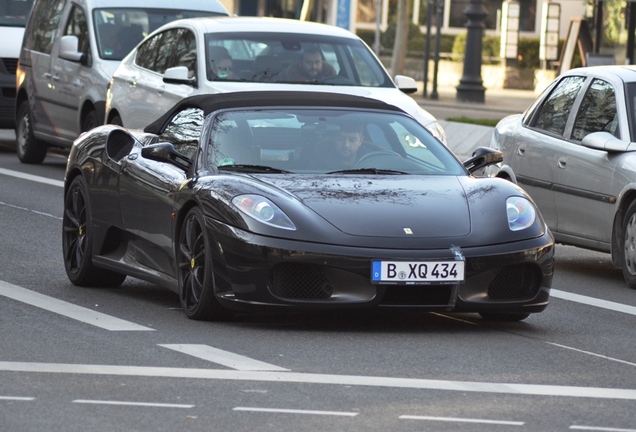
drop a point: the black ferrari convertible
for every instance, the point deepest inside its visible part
(281, 200)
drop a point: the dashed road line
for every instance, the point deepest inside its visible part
(296, 411)
(225, 358)
(69, 310)
(138, 404)
(16, 398)
(462, 420)
(592, 301)
(31, 177)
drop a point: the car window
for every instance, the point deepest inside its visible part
(597, 111)
(295, 58)
(323, 141)
(552, 115)
(78, 26)
(119, 30)
(186, 52)
(184, 131)
(45, 22)
(157, 53)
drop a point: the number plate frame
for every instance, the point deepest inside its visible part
(432, 272)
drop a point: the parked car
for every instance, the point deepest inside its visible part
(69, 52)
(13, 18)
(258, 200)
(180, 59)
(573, 151)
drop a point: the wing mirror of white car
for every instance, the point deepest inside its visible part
(178, 75)
(405, 84)
(69, 49)
(606, 141)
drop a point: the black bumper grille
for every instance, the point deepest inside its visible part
(300, 282)
(515, 282)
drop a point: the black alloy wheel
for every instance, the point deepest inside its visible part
(196, 271)
(77, 241)
(29, 149)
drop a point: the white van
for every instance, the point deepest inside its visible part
(13, 18)
(69, 52)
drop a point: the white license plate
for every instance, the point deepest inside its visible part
(417, 272)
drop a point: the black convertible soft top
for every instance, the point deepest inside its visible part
(212, 102)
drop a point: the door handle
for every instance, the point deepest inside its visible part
(161, 89)
(562, 162)
(47, 75)
(521, 151)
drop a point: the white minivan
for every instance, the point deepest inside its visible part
(13, 18)
(69, 52)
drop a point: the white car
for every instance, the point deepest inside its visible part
(190, 56)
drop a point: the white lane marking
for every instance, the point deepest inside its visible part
(141, 404)
(601, 428)
(308, 378)
(69, 310)
(592, 354)
(30, 210)
(225, 358)
(17, 398)
(591, 301)
(296, 411)
(462, 420)
(31, 177)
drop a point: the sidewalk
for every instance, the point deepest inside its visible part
(463, 138)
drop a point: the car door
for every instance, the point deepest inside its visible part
(146, 89)
(585, 200)
(39, 44)
(71, 77)
(533, 157)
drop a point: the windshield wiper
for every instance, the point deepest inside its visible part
(246, 168)
(368, 171)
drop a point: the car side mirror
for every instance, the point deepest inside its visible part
(69, 49)
(606, 141)
(406, 84)
(166, 152)
(481, 158)
(178, 75)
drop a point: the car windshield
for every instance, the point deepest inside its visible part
(292, 58)
(15, 12)
(329, 141)
(120, 30)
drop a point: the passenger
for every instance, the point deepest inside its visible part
(220, 63)
(312, 67)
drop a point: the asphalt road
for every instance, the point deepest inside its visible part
(127, 359)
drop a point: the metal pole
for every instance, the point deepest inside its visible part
(376, 42)
(470, 88)
(438, 37)
(427, 51)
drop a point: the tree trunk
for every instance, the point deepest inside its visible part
(398, 61)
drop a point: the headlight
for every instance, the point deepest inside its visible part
(521, 213)
(438, 131)
(263, 210)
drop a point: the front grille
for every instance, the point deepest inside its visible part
(417, 295)
(10, 64)
(515, 282)
(300, 282)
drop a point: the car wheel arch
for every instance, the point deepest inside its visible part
(617, 227)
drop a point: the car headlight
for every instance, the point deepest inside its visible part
(438, 131)
(263, 210)
(521, 213)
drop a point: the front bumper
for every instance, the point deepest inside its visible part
(253, 272)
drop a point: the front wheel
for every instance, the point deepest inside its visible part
(29, 149)
(629, 246)
(77, 241)
(196, 271)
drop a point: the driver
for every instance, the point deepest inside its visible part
(312, 67)
(349, 146)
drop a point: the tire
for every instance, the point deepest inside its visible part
(503, 317)
(196, 271)
(116, 120)
(90, 121)
(77, 241)
(29, 149)
(628, 246)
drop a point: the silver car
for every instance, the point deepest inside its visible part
(574, 152)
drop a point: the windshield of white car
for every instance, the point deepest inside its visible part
(15, 12)
(119, 30)
(324, 141)
(292, 58)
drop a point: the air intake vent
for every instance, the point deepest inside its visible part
(515, 282)
(300, 282)
(118, 144)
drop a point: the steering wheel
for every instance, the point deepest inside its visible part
(373, 154)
